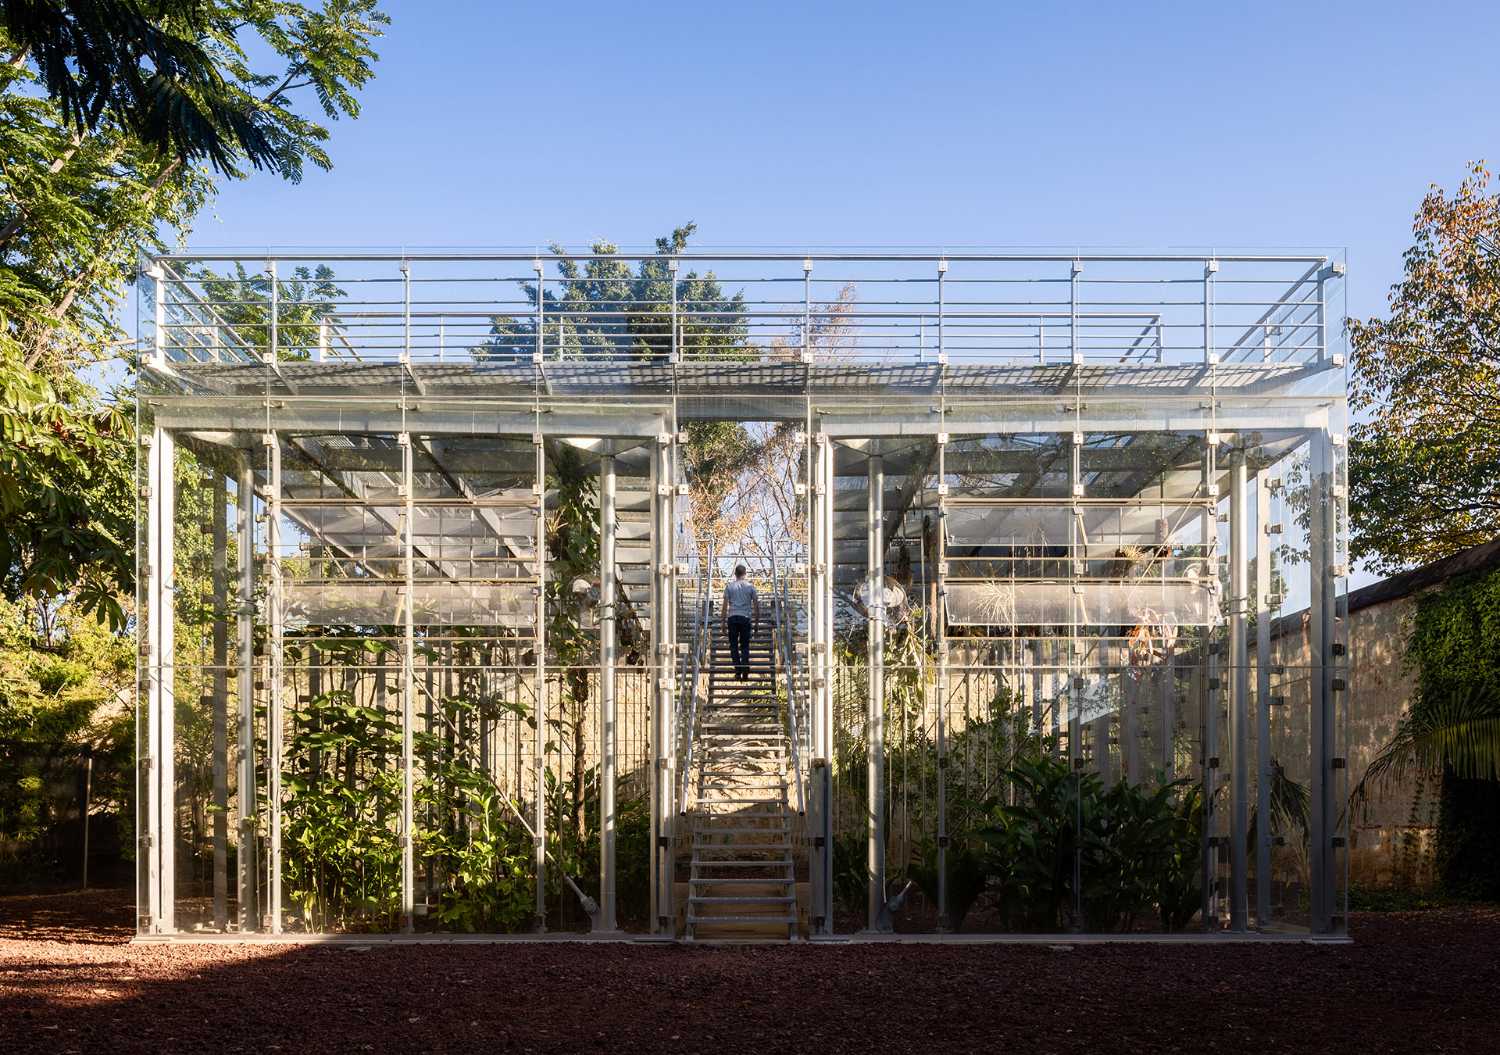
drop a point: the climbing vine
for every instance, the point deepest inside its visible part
(1450, 735)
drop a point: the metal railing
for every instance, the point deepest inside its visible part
(703, 610)
(786, 647)
(1142, 310)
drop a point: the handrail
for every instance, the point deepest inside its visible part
(783, 638)
(700, 640)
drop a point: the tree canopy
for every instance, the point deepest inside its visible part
(1425, 451)
(605, 308)
(113, 117)
(117, 119)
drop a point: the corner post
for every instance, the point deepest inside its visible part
(160, 685)
(1323, 805)
(408, 691)
(273, 350)
(1075, 348)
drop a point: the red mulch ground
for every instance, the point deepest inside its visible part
(1412, 982)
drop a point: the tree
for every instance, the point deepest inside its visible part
(91, 177)
(87, 188)
(150, 68)
(605, 310)
(1425, 454)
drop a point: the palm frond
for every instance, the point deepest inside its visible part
(1458, 731)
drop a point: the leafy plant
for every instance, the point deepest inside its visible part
(1032, 845)
(968, 878)
(342, 857)
(483, 851)
(1071, 853)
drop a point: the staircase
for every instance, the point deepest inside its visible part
(743, 877)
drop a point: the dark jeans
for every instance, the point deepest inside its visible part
(739, 644)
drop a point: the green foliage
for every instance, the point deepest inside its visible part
(85, 111)
(1395, 899)
(243, 301)
(605, 309)
(64, 680)
(1459, 732)
(171, 72)
(1424, 456)
(478, 845)
(66, 494)
(1467, 854)
(339, 840)
(851, 870)
(106, 112)
(1071, 853)
(968, 879)
(1178, 881)
(632, 859)
(1451, 731)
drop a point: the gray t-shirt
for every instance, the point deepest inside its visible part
(739, 599)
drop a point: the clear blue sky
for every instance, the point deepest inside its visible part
(872, 124)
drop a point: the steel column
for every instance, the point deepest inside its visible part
(940, 680)
(244, 538)
(220, 635)
(275, 614)
(823, 671)
(1322, 806)
(1167, 701)
(663, 646)
(1167, 689)
(1038, 717)
(1239, 701)
(1264, 833)
(608, 589)
(875, 714)
(1074, 695)
(539, 818)
(1208, 696)
(161, 685)
(408, 690)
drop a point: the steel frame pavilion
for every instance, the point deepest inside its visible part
(396, 416)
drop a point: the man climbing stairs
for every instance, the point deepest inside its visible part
(742, 884)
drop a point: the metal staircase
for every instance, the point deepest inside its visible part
(745, 822)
